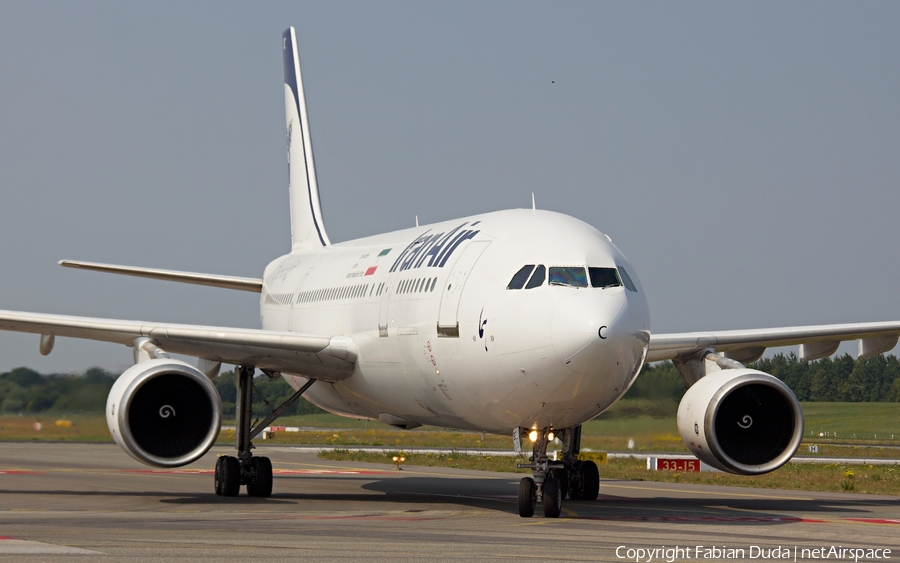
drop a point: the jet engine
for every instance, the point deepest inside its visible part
(741, 421)
(164, 412)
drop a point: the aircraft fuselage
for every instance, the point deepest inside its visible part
(443, 341)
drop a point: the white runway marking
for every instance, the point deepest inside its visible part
(13, 546)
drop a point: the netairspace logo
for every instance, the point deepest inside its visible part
(750, 553)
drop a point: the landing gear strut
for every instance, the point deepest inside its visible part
(553, 480)
(247, 469)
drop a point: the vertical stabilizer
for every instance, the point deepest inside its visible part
(307, 228)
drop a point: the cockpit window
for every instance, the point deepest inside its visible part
(629, 285)
(518, 280)
(604, 277)
(537, 279)
(570, 276)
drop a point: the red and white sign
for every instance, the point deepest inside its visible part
(673, 464)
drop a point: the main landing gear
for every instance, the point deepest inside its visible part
(247, 469)
(552, 481)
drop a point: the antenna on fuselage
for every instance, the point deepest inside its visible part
(417, 220)
(533, 206)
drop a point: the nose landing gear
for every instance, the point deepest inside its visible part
(552, 481)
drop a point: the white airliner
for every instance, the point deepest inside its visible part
(523, 322)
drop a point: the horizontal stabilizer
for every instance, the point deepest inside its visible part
(225, 282)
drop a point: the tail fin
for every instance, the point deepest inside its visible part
(307, 228)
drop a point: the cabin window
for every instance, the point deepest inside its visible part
(604, 277)
(568, 276)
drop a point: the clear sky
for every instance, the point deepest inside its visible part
(744, 156)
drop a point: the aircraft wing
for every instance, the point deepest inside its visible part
(817, 341)
(329, 358)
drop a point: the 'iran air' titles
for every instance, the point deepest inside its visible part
(435, 248)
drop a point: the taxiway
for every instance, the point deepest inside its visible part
(63, 502)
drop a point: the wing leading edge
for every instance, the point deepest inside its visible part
(816, 341)
(328, 358)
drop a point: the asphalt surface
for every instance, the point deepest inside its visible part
(80, 502)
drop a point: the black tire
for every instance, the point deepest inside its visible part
(576, 483)
(231, 476)
(590, 479)
(261, 486)
(552, 498)
(218, 476)
(527, 497)
(563, 477)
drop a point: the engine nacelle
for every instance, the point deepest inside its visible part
(741, 421)
(164, 412)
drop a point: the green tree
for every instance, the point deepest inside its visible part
(657, 381)
(274, 391)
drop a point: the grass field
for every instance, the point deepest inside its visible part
(70, 428)
(853, 421)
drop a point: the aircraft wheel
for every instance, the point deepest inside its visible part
(262, 484)
(231, 476)
(590, 479)
(562, 476)
(527, 497)
(552, 498)
(218, 476)
(576, 483)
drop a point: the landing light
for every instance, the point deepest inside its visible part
(398, 459)
(533, 435)
(550, 436)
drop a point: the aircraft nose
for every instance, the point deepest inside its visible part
(584, 319)
(600, 338)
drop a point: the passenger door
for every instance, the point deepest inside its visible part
(448, 322)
